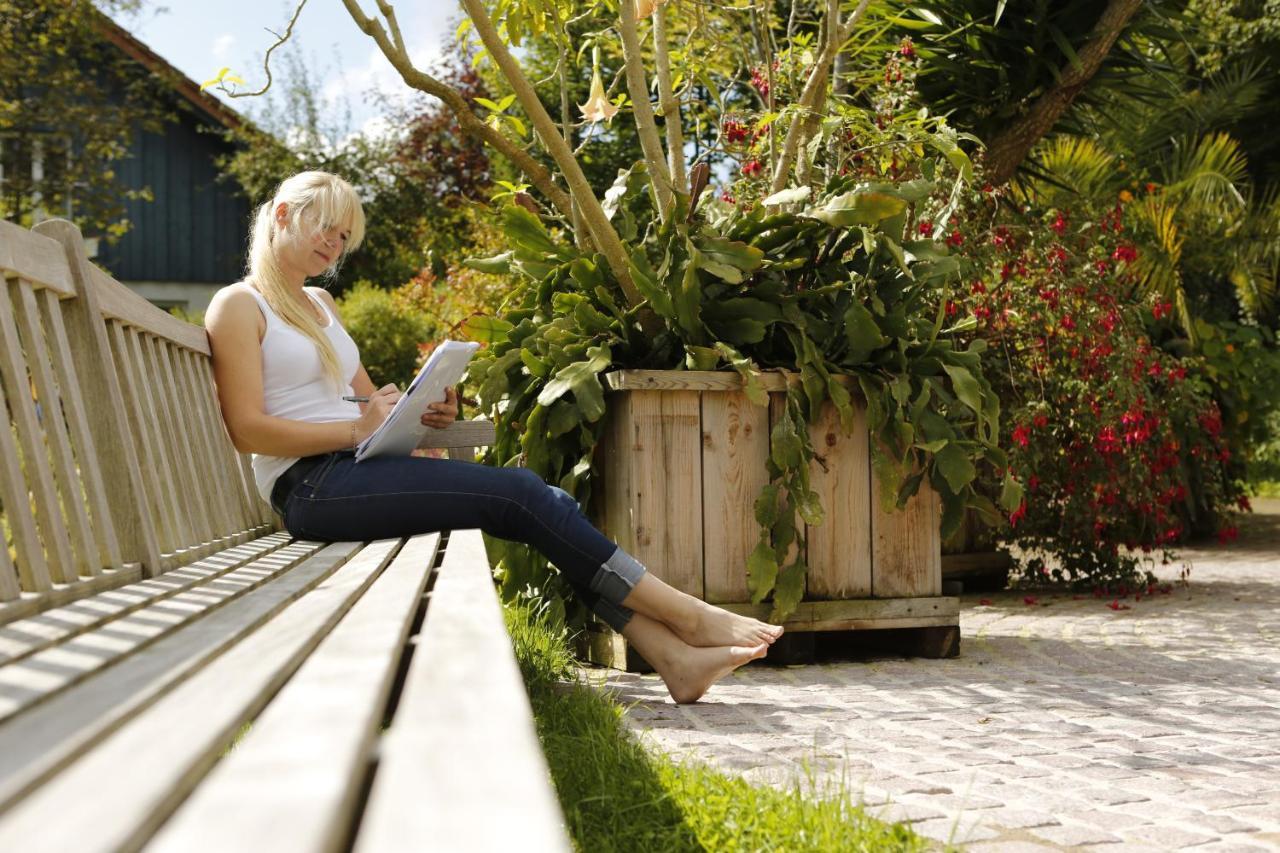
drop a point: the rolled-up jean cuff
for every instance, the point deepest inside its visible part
(614, 615)
(617, 576)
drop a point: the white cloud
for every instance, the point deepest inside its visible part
(222, 46)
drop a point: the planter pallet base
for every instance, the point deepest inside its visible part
(916, 627)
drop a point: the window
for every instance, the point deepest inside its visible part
(35, 176)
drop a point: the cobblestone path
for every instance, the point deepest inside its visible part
(1063, 724)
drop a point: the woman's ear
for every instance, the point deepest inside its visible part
(282, 213)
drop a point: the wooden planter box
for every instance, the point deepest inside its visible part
(682, 461)
(971, 558)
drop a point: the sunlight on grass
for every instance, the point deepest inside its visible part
(616, 795)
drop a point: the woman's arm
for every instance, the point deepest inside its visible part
(232, 324)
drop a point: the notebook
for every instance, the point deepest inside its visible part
(403, 431)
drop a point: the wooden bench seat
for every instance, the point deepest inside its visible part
(176, 673)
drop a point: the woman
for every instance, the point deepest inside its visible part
(283, 362)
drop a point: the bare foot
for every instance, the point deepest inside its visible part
(688, 675)
(716, 627)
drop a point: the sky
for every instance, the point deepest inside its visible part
(199, 38)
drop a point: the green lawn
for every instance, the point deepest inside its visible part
(617, 795)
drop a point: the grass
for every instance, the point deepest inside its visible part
(616, 795)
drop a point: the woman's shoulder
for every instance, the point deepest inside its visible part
(235, 302)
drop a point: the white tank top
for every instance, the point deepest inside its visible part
(294, 384)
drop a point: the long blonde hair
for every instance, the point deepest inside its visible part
(324, 200)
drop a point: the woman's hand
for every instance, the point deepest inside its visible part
(380, 404)
(440, 415)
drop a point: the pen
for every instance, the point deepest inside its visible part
(356, 399)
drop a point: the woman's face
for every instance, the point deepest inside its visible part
(308, 250)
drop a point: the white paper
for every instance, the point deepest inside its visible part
(403, 431)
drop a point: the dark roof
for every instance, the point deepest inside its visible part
(182, 84)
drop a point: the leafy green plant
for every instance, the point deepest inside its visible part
(829, 292)
(387, 335)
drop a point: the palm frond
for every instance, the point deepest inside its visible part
(1212, 173)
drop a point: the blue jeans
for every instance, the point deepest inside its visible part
(338, 499)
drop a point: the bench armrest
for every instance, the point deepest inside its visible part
(476, 433)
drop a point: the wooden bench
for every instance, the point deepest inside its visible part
(177, 673)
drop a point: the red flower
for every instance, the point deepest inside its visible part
(1226, 534)
(907, 49)
(1116, 605)
(956, 239)
(925, 227)
(986, 602)
(1126, 253)
(1243, 503)
(1041, 420)
(1021, 434)
(734, 130)
(978, 287)
(1059, 223)
(1029, 600)
(1018, 514)
(751, 168)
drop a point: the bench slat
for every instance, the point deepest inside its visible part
(105, 404)
(104, 530)
(34, 746)
(30, 680)
(135, 401)
(23, 637)
(293, 781)
(33, 570)
(132, 781)
(120, 303)
(207, 470)
(79, 531)
(463, 721)
(177, 445)
(217, 443)
(38, 477)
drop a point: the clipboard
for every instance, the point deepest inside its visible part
(403, 431)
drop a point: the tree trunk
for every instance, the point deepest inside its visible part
(1007, 150)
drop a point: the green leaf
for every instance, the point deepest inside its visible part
(790, 195)
(489, 330)
(498, 264)
(857, 208)
(747, 370)
(862, 332)
(582, 379)
(1010, 492)
(563, 417)
(701, 358)
(766, 505)
(488, 104)
(966, 387)
(956, 466)
(762, 571)
(952, 515)
(788, 591)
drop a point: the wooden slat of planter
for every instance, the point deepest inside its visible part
(293, 781)
(463, 732)
(131, 781)
(863, 613)
(35, 460)
(689, 380)
(735, 444)
(104, 528)
(839, 549)
(38, 356)
(665, 455)
(906, 556)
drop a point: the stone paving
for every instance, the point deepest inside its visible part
(1063, 724)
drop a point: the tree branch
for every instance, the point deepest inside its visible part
(1011, 146)
(467, 119)
(813, 88)
(671, 117)
(638, 88)
(602, 231)
(266, 60)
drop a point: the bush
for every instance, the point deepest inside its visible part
(1119, 442)
(388, 335)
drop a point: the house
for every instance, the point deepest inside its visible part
(190, 240)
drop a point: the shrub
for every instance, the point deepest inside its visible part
(388, 335)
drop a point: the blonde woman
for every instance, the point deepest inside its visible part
(283, 362)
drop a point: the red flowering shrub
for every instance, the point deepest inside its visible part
(1109, 434)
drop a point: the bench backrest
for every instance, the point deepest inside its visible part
(115, 463)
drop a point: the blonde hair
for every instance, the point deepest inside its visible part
(316, 201)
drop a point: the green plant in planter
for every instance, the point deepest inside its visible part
(829, 290)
